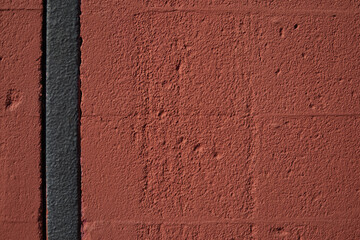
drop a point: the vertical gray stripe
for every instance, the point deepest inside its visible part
(62, 119)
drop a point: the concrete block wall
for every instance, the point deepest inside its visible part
(20, 124)
(210, 119)
(220, 119)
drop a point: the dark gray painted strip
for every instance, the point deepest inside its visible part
(42, 209)
(62, 119)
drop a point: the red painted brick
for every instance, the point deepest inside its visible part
(204, 231)
(136, 53)
(19, 230)
(306, 64)
(20, 62)
(192, 170)
(168, 231)
(307, 5)
(308, 167)
(20, 54)
(20, 158)
(121, 98)
(118, 230)
(113, 168)
(170, 176)
(193, 63)
(307, 229)
(21, 4)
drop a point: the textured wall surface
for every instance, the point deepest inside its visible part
(220, 119)
(20, 55)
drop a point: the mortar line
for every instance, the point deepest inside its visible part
(225, 221)
(308, 115)
(252, 157)
(245, 10)
(20, 9)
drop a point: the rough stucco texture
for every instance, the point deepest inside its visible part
(220, 119)
(20, 53)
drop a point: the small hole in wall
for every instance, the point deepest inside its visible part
(177, 67)
(281, 32)
(296, 26)
(198, 148)
(217, 155)
(161, 113)
(13, 99)
(312, 106)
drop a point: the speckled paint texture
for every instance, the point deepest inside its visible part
(20, 124)
(220, 119)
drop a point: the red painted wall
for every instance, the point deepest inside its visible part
(200, 119)
(220, 119)
(20, 53)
